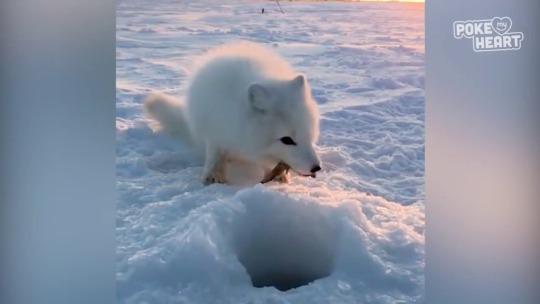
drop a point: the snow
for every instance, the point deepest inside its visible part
(355, 234)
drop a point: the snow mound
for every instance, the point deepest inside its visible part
(318, 241)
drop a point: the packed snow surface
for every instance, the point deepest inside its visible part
(355, 234)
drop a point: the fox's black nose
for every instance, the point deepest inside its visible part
(315, 169)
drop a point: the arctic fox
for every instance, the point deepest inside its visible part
(244, 104)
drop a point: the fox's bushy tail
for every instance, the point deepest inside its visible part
(170, 115)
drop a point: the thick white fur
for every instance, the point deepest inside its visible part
(170, 114)
(242, 99)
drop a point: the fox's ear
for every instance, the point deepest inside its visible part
(259, 97)
(299, 81)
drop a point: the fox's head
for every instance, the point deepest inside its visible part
(291, 118)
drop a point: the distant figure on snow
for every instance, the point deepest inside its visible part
(262, 12)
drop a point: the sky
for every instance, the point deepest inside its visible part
(417, 1)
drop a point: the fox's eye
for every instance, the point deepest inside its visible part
(288, 141)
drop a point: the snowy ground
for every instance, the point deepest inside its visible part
(359, 225)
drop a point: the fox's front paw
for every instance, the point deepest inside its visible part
(280, 174)
(213, 178)
(282, 178)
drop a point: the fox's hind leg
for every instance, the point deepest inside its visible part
(214, 167)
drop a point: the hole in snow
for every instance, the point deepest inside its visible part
(285, 243)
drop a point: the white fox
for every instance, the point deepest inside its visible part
(245, 104)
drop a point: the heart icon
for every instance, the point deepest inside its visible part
(501, 25)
